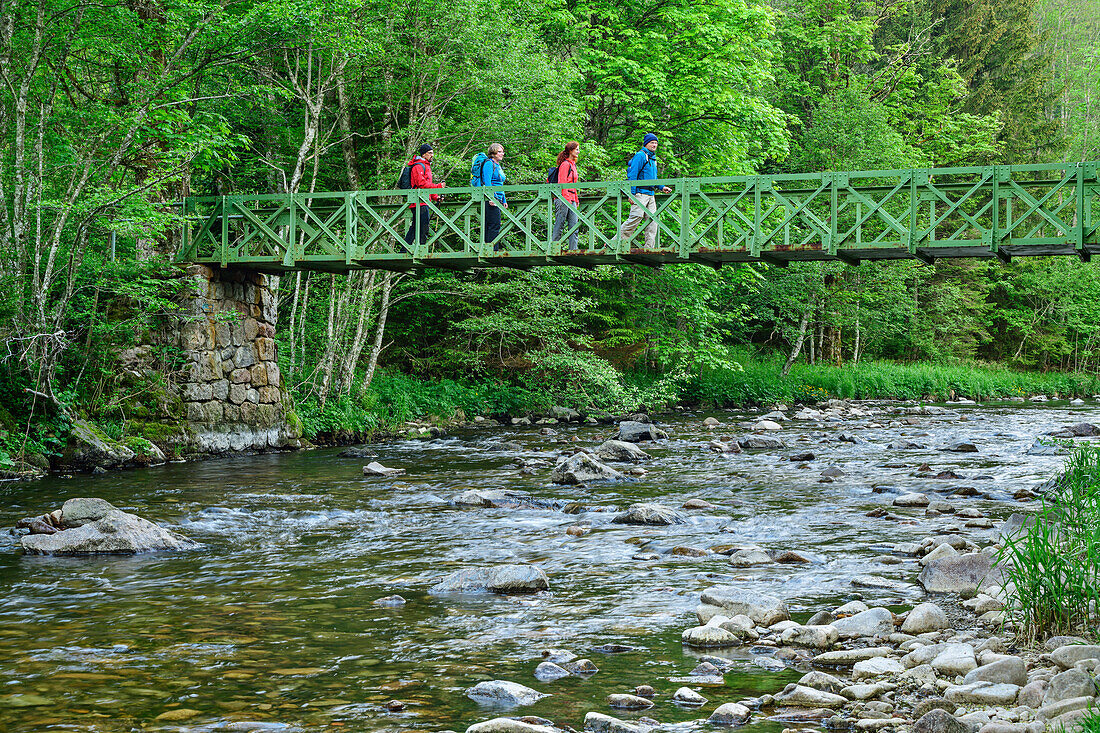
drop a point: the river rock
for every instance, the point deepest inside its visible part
(962, 574)
(629, 702)
(503, 499)
(503, 579)
(923, 618)
(504, 693)
(906, 445)
(848, 657)
(941, 551)
(1080, 430)
(1009, 670)
(731, 713)
(763, 609)
(918, 676)
(688, 696)
(877, 667)
(822, 681)
(93, 526)
(548, 672)
(866, 692)
(1070, 684)
(631, 431)
(960, 447)
(851, 608)
(807, 697)
(1054, 710)
(1068, 655)
(955, 659)
(650, 514)
(620, 450)
(581, 468)
(1032, 694)
(508, 725)
(938, 720)
(766, 425)
(580, 667)
(710, 636)
(815, 637)
(750, 557)
(374, 468)
(983, 693)
(600, 723)
(912, 499)
(872, 622)
(760, 442)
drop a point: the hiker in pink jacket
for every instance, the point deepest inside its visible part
(565, 205)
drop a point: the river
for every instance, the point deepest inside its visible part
(274, 621)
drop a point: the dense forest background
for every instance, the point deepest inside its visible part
(109, 112)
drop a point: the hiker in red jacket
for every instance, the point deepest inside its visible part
(421, 177)
(565, 205)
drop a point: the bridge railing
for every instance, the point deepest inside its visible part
(889, 214)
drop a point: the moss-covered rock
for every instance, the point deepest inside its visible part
(90, 447)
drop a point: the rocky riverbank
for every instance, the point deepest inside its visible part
(950, 664)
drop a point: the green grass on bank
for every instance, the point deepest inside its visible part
(395, 398)
(1053, 565)
(761, 383)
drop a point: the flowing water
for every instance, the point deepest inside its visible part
(273, 624)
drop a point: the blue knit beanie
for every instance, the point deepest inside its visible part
(649, 137)
(425, 148)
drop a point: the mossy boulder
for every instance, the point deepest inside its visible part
(89, 447)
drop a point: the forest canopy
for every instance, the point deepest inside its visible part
(110, 113)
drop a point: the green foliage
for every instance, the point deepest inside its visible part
(153, 102)
(759, 382)
(1053, 565)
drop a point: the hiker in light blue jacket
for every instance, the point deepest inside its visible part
(643, 167)
(492, 174)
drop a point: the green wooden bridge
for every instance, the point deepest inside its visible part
(993, 211)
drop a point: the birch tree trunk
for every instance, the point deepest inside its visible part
(802, 326)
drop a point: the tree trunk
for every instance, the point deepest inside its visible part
(379, 330)
(802, 326)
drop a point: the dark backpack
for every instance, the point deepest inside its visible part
(404, 181)
(552, 174)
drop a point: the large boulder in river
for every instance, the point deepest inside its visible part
(956, 574)
(763, 609)
(650, 514)
(632, 431)
(502, 579)
(88, 526)
(580, 469)
(620, 450)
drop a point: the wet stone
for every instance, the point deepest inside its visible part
(629, 702)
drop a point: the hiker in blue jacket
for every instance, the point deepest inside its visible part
(492, 174)
(643, 167)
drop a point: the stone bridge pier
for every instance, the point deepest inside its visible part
(232, 391)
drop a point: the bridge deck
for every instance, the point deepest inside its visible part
(994, 211)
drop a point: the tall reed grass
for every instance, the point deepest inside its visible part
(1052, 566)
